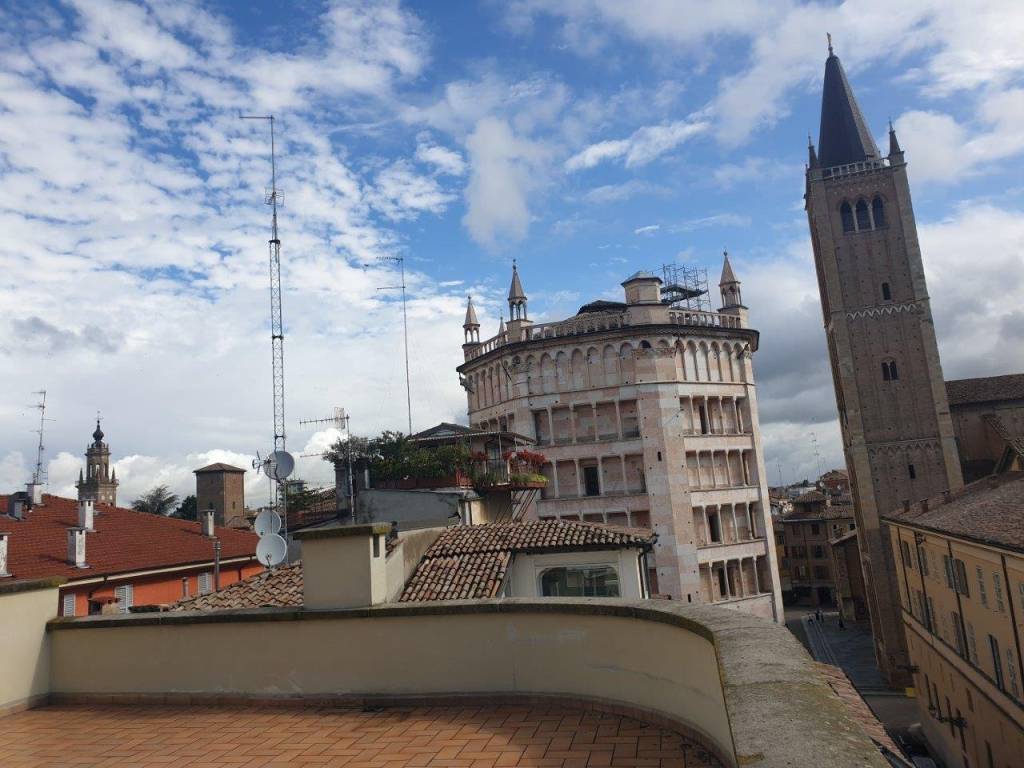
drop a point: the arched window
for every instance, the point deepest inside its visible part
(886, 292)
(847, 213)
(878, 212)
(889, 371)
(580, 581)
(863, 219)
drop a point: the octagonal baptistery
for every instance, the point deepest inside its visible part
(646, 413)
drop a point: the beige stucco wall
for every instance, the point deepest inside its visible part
(25, 674)
(638, 663)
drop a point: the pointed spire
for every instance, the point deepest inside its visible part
(812, 156)
(97, 436)
(501, 327)
(471, 321)
(728, 277)
(81, 476)
(894, 144)
(844, 137)
(515, 291)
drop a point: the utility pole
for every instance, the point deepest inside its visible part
(405, 327)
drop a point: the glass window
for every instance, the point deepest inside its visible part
(886, 292)
(846, 212)
(863, 218)
(580, 581)
(878, 212)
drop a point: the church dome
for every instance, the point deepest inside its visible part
(98, 434)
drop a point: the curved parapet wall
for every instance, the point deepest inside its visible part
(743, 686)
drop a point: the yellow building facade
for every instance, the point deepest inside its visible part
(960, 564)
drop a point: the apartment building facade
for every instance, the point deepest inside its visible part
(647, 414)
(961, 572)
(806, 535)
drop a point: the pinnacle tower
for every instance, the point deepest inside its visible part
(99, 482)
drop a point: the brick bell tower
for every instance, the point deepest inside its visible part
(896, 427)
(99, 482)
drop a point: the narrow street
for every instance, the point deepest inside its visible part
(852, 650)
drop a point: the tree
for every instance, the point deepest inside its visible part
(156, 501)
(188, 509)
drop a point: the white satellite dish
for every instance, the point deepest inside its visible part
(279, 465)
(271, 550)
(267, 522)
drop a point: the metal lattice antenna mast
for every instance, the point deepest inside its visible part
(340, 420)
(405, 327)
(38, 475)
(276, 320)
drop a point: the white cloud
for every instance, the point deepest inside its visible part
(754, 170)
(643, 146)
(503, 170)
(445, 160)
(614, 193)
(649, 229)
(401, 193)
(714, 220)
(940, 149)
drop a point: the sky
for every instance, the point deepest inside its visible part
(586, 139)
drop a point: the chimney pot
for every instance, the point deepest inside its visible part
(86, 514)
(76, 547)
(34, 493)
(4, 536)
(207, 523)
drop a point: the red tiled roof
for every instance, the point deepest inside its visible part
(990, 510)
(219, 467)
(124, 541)
(471, 561)
(858, 709)
(279, 587)
(986, 389)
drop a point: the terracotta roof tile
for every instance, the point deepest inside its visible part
(279, 587)
(471, 561)
(219, 467)
(467, 562)
(986, 389)
(990, 510)
(124, 541)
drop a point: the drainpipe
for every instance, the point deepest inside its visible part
(216, 565)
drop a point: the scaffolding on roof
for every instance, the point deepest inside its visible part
(685, 287)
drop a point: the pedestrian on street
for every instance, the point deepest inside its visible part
(817, 614)
(841, 624)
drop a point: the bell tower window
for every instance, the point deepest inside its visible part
(889, 371)
(878, 212)
(886, 292)
(863, 217)
(846, 212)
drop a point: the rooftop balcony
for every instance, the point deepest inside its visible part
(514, 681)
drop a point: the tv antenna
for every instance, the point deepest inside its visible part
(817, 456)
(273, 198)
(39, 476)
(339, 420)
(400, 260)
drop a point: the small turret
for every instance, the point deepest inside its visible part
(812, 156)
(729, 286)
(895, 152)
(471, 327)
(516, 296)
(501, 328)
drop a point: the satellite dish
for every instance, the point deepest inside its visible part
(267, 522)
(279, 465)
(271, 550)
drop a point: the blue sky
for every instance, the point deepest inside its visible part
(585, 138)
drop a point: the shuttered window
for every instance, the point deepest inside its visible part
(205, 583)
(124, 596)
(68, 607)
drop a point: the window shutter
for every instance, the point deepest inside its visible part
(68, 608)
(205, 583)
(124, 595)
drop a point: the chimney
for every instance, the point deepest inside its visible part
(4, 535)
(16, 506)
(76, 547)
(906, 505)
(86, 512)
(924, 505)
(34, 493)
(344, 566)
(206, 517)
